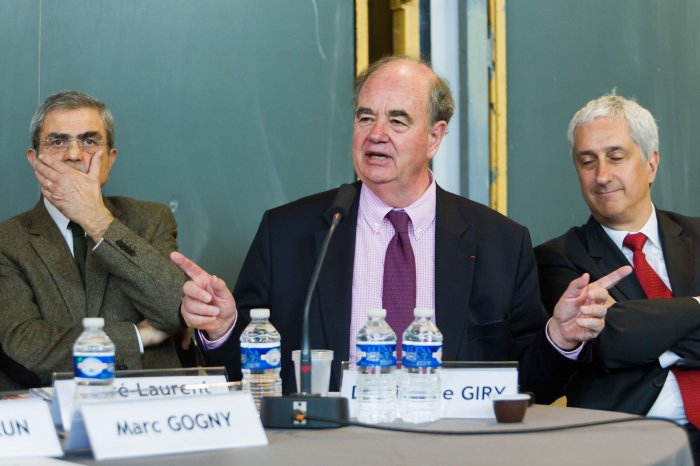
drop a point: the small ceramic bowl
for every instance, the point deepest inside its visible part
(511, 408)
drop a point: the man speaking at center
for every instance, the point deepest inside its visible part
(472, 265)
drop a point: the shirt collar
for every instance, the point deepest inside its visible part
(59, 219)
(650, 230)
(422, 212)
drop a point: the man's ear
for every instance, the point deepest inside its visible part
(435, 134)
(653, 165)
(31, 157)
(111, 157)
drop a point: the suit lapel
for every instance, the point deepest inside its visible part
(52, 248)
(608, 257)
(455, 249)
(95, 276)
(334, 289)
(678, 255)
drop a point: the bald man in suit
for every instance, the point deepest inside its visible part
(474, 266)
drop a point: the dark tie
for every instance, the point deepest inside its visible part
(399, 293)
(79, 248)
(654, 287)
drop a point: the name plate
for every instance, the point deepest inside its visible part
(172, 425)
(466, 387)
(136, 388)
(467, 391)
(26, 429)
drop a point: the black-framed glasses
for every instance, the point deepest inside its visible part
(87, 143)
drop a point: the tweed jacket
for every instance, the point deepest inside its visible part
(129, 278)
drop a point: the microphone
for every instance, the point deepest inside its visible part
(339, 210)
(343, 201)
(291, 411)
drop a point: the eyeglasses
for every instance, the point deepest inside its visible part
(89, 144)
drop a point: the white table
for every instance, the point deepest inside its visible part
(637, 443)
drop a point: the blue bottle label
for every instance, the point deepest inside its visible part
(421, 354)
(94, 366)
(260, 356)
(376, 354)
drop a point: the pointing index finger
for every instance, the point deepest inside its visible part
(614, 277)
(195, 272)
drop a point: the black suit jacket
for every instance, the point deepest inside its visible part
(626, 375)
(487, 300)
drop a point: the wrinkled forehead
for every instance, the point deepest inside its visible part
(73, 122)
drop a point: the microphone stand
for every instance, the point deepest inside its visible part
(290, 411)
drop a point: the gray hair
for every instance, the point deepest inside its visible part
(70, 100)
(441, 107)
(641, 123)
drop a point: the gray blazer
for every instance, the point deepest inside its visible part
(42, 299)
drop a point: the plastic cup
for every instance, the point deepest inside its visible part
(510, 408)
(321, 360)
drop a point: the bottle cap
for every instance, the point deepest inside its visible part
(423, 312)
(259, 313)
(92, 322)
(376, 313)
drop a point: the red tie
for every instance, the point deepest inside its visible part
(399, 289)
(689, 385)
(654, 287)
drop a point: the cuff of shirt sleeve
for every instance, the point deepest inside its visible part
(573, 354)
(668, 359)
(98, 243)
(138, 336)
(213, 344)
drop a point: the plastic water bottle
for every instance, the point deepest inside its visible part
(419, 386)
(376, 365)
(93, 361)
(261, 357)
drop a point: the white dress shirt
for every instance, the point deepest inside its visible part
(61, 222)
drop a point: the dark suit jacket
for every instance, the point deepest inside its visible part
(43, 301)
(487, 300)
(626, 375)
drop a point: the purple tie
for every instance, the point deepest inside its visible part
(399, 293)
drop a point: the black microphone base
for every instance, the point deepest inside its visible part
(290, 412)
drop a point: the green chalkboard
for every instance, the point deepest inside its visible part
(561, 54)
(223, 108)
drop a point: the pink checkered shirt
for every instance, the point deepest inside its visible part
(373, 234)
(372, 237)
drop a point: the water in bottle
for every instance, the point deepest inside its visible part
(261, 356)
(419, 386)
(376, 364)
(93, 361)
